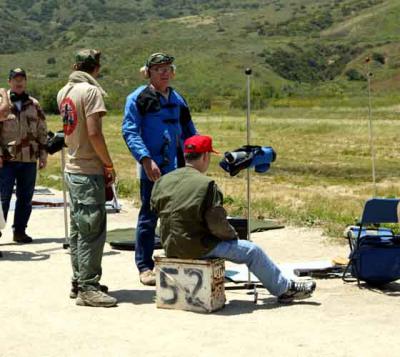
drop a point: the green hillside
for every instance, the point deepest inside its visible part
(303, 52)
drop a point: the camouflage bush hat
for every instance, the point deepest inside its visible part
(17, 72)
(159, 58)
(89, 56)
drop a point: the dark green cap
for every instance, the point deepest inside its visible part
(159, 58)
(88, 56)
(17, 72)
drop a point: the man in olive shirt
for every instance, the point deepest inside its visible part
(194, 223)
(82, 108)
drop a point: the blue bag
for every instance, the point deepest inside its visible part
(375, 258)
(375, 261)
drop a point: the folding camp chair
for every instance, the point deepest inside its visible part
(375, 253)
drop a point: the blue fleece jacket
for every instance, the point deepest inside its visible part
(156, 127)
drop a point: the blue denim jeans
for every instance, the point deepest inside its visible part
(245, 252)
(145, 230)
(24, 175)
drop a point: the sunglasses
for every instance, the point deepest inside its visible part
(162, 70)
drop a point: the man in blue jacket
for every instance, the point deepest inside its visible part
(157, 121)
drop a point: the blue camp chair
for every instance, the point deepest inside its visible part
(375, 255)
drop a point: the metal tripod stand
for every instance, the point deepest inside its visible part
(66, 234)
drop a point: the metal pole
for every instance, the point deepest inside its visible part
(66, 237)
(371, 141)
(248, 72)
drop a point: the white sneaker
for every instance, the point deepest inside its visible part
(298, 290)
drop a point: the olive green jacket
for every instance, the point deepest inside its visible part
(192, 219)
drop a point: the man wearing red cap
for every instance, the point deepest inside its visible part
(194, 223)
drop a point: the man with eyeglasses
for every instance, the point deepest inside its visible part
(157, 121)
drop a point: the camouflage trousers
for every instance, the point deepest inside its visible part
(88, 228)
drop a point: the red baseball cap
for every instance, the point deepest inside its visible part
(199, 144)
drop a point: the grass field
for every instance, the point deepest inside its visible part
(322, 175)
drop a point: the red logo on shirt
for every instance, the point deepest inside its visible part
(69, 115)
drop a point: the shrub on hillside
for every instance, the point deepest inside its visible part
(51, 60)
(311, 63)
(354, 75)
(379, 57)
(259, 97)
(52, 75)
(200, 101)
(48, 97)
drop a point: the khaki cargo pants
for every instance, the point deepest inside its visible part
(88, 228)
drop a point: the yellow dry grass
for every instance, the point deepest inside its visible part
(322, 175)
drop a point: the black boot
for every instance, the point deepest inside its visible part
(21, 237)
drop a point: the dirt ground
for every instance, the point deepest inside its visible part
(38, 318)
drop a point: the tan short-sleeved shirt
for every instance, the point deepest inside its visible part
(77, 101)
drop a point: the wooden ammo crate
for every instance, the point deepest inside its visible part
(186, 284)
